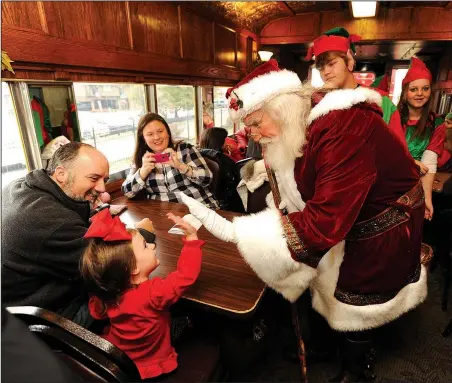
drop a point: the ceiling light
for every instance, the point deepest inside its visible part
(364, 8)
(265, 55)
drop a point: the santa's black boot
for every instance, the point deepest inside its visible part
(357, 359)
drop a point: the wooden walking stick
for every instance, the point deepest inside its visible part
(295, 320)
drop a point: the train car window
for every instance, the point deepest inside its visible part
(395, 90)
(14, 164)
(108, 116)
(176, 104)
(51, 107)
(220, 109)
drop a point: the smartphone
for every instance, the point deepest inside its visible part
(161, 157)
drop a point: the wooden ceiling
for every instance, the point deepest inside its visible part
(254, 15)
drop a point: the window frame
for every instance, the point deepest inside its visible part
(20, 98)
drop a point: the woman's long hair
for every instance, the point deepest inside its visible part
(141, 146)
(213, 138)
(424, 126)
(106, 268)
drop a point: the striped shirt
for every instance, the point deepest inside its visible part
(165, 182)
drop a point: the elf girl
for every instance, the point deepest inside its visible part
(424, 132)
(116, 267)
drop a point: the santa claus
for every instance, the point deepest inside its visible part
(349, 209)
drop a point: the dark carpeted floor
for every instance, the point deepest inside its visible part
(410, 349)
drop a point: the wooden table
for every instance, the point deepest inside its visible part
(440, 179)
(226, 282)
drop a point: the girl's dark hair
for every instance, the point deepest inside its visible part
(213, 138)
(424, 127)
(326, 57)
(140, 146)
(106, 268)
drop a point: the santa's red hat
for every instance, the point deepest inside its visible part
(336, 39)
(262, 85)
(418, 70)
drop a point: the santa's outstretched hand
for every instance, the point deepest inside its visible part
(216, 224)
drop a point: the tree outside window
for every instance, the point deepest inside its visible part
(176, 104)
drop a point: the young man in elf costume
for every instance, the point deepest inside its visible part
(344, 221)
(334, 58)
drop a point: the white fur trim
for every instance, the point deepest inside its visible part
(260, 240)
(290, 195)
(344, 99)
(344, 317)
(261, 90)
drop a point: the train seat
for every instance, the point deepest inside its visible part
(94, 359)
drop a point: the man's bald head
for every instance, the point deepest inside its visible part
(66, 155)
(80, 170)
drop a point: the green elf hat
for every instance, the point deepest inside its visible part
(449, 116)
(336, 39)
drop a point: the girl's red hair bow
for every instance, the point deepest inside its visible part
(104, 226)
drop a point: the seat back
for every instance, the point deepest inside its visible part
(215, 169)
(85, 352)
(242, 163)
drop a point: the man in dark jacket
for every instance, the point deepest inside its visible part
(45, 216)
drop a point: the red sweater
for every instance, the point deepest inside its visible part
(140, 325)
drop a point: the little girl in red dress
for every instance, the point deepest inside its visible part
(116, 267)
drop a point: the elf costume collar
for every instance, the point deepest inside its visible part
(336, 39)
(418, 70)
(262, 85)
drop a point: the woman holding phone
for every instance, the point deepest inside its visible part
(165, 168)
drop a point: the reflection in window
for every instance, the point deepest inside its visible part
(220, 108)
(176, 104)
(108, 116)
(13, 158)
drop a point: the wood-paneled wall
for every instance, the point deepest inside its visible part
(134, 41)
(444, 77)
(423, 23)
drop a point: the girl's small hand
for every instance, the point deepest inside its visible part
(424, 169)
(428, 210)
(189, 231)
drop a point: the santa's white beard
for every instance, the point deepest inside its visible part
(281, 152)
(290, 112)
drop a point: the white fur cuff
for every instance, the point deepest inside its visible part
(260, 239)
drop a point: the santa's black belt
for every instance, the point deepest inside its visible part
(398, 213)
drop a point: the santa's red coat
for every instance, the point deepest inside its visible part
(352, 168)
